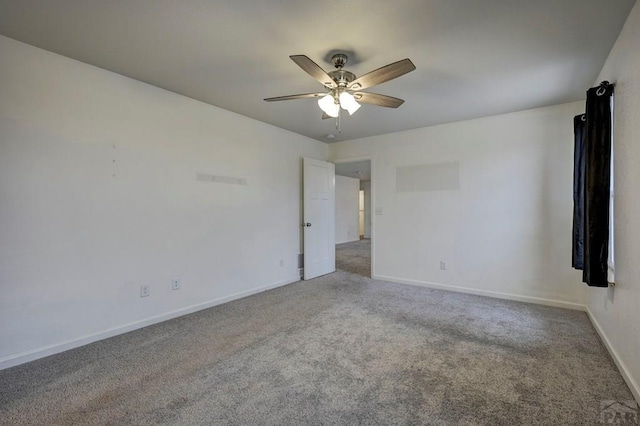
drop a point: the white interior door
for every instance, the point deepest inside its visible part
(319, 205)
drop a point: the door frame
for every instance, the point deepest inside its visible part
(372, 162)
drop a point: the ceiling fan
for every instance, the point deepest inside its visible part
(344, 88)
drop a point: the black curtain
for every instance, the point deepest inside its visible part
(579, 135)
(596, 160)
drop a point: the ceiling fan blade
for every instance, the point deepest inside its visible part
(290, 97)
(386, 73)
(313, 70)
(377, 99)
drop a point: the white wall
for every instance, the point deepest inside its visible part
(98, 195)
(361, 212)
(616, 311)
(366, 187)
(347, 209)
(506, 232)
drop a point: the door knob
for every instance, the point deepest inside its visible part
(308, 225)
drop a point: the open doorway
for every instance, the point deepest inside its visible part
(353, 217)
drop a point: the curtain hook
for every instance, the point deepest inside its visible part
(603, 88)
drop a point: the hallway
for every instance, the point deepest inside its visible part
(354, 257)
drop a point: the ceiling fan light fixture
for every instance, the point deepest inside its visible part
(348, 102)
(328, 104)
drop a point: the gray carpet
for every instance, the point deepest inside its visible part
(340, 349)
(354, 257)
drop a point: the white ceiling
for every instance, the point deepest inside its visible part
(357, 169)
(474, 57)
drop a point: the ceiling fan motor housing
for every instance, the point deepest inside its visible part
(342, 77)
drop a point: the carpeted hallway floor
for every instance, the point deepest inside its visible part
(340, 349)
(354, 257)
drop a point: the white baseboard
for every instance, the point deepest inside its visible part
(494, 294)
(626, 375)
(21, 358)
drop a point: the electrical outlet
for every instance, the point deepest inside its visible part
(145, 291)
(443, 265)
(176, 284)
